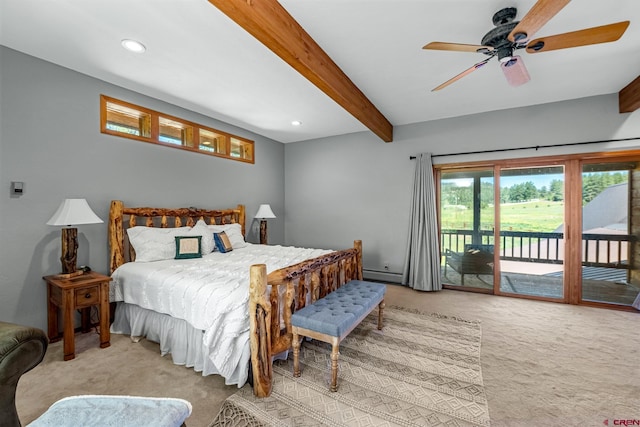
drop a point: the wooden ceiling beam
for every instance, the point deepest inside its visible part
(272, 25)
(629, 97)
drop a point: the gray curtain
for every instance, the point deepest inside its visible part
(422, 261)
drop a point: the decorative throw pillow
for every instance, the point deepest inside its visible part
(153, 243)
(201, 229)
(188, 247)
(222, 242)
(234, 233)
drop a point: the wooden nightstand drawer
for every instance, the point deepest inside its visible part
(87, 296)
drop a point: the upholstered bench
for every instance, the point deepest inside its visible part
(333, 317)
(121, 411)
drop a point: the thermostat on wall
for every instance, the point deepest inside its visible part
(17, 188)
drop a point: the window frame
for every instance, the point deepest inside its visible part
(249, 145)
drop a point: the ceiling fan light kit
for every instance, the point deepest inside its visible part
(515, 71)
(509, 36)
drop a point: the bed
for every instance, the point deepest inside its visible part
(222, 312)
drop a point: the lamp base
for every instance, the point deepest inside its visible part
(263, 231)
(69, 254)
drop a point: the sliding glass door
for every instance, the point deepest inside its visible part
(467, 223)
(558, 229)
(532, 211)
(609, 229)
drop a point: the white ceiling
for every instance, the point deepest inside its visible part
(199, 59)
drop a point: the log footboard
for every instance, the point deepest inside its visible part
(299, 284)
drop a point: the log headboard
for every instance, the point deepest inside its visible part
(122, 217)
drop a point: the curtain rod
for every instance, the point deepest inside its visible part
(532, 147)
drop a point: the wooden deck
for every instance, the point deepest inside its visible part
(599, 284)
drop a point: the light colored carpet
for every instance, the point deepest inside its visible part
(420, 370)
(124, 368)
(543, 364)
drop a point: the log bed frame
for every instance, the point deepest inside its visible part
(299, 283)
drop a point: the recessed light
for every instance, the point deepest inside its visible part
(133, 46)
(296, 123)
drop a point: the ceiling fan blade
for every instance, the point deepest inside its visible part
(458, 47)
(461, 75)
(538, 15)
(594, 35)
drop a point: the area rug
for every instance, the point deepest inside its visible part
(420, 370)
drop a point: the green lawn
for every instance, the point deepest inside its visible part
(542, 216)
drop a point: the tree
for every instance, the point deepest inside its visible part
(529, 190)
(592, 185)
(457, 195)
(543, 193)
(595, 183)
(522, 192)
(504, 195)
(486, 194)
(556, 190)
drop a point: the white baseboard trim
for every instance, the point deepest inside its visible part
(382, 276)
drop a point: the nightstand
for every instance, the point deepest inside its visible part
(77, 293)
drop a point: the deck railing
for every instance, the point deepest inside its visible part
(598, 250)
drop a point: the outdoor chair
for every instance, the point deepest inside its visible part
(476, 259)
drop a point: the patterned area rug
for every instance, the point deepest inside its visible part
(420, 370)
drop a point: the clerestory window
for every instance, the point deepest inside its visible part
(120, 118)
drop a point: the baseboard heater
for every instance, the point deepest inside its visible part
(382, 276)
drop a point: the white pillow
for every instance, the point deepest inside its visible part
(155, 244)
(207, 243)
(233, 232)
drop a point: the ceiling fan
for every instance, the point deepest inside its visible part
(509, 36)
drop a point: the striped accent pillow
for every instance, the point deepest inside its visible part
(223, 244)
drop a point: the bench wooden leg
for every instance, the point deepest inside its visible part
(380, 310)
(296, 355)
(335, 353)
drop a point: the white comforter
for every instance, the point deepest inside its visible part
(210, 293)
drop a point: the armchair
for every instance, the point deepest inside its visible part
(21, 349)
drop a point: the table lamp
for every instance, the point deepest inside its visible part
(72, 212)
(264, 212)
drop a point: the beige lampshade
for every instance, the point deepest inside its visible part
(74, 212)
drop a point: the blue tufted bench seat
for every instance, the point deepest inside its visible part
(333, 317)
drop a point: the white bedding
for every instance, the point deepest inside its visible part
(210, 293)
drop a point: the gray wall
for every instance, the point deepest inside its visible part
(337, 189)
(357, 187)
(50, 139)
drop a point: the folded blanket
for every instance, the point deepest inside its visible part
(117, 411)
